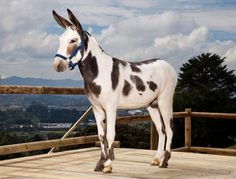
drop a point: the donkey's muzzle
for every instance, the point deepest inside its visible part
(60, 65)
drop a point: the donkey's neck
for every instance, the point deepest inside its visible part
(95, 60)
(96, 49)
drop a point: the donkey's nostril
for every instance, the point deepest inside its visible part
(55, 65)
(59, 65)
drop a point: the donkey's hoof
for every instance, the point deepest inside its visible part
(165, 160)
(155, 162)
(107, 169)
(164, 165)
(99, 168)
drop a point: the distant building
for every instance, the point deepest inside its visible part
(54, 125)
(135, 112)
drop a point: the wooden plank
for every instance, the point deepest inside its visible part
(48, 156)
(129, 163)
(214, 115)
(187, 127)
(140, 118)
(11, 89)
(153, 137)
(209, 150)
(181, 149)
(32, 146)
(128, 119)
(116, 144)
(180, 114)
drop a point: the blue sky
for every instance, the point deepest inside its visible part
(131, 30)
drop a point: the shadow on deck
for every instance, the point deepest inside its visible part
(129, 163)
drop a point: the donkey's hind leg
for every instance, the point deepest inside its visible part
(156, 118)
(166, 110)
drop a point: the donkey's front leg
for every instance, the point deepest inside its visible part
(100, 120)
(110, 135)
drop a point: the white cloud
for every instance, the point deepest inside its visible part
(193, 41)
(225, 49)
(31, 43)
(221, 46)
(169, 35)
(26, 48)
(124, 36)
(217, 19)
(25, 14)
(23, 25)
(133, 30)
(99, 13)
(175, 48)
(231, 54)
(141, 4)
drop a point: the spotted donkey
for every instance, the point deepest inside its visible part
(112, 84)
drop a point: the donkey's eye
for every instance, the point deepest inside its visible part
(73, 41)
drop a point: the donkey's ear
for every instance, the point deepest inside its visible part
(75, 22)
(60, 20)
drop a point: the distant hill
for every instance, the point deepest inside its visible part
(14, 80)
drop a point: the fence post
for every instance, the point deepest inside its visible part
(188, 127)
(153, 137)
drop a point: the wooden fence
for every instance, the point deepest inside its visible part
(188, 115)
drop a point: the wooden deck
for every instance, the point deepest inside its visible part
(129, 163)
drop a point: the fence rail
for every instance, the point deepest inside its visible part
(40, 145)
(213, 115)
(12, 89)
(64, 141)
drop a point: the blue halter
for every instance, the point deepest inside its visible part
(74, 53)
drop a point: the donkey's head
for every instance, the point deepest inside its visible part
(71, 43)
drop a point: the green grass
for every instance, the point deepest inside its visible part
(232, 146)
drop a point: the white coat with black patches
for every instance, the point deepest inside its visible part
(112, 84)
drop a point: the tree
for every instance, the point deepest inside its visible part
(205, 84)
